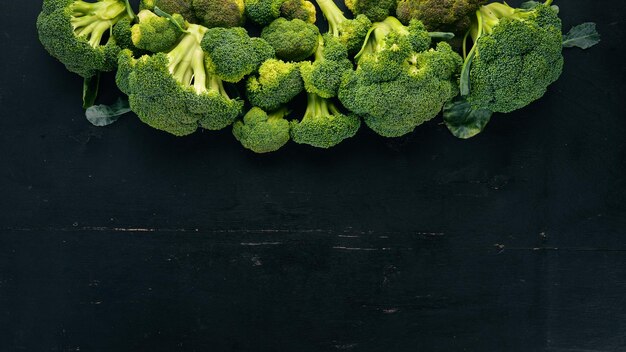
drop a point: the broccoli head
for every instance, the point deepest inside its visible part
(125, 65)
(350, 32)
(439, 15)
(263, 12)
(209, 13)
(323, 125)
(262, 132)
(375, 10)
(74, 32)
(395, 87)
(277, 83)
(323, 76)
(301, 9)
(155, 33)
(232, 54)
(174, 92)
(182, 7)
(293, 40)
(517, 54)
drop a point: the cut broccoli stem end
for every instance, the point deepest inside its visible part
(93, 20)
(333, 15)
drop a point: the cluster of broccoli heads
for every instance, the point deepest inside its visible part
(186, 64)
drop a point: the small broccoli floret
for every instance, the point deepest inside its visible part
(517, 54)
(174, 92)
(182, 7)
(323, 76)
(301, 9)
(395, 87)
(278, 82)
(123, 36)
(375, 10)
(219, 13)
(293, 40)
(232, 54)
(439, 15)
(263, 132)
(125, 65)
(263, 12)
(350, 32)
(323, 125)
(74, 32)
(155, 33)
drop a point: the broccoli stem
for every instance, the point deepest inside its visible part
(278, 114)
(333, 14)
(93, 20)
(375, 36)
(318, 106)
(319, 52)
(187, 62)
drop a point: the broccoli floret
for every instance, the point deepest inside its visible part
(439, 15)
(155, 33)
(301, 9)
(123, 36)
(293, 40)
(182, 7)
(219, 13)
(74, 33)
(278, 82)
(232, 54)
(350, 32)
(323, 125)
(263, 12)
(174, 92)
(262, 132)
(375, 10)
(125, 65)
(517, 54)
(323, 76)
(396, 87)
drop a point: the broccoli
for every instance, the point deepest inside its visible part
(323, 76)
(323, 125)
(439, 15)
(350, 32)
(74, 32)
(375, 10)
(155, 33)
(232, 54)
(174, 92)
(262, 132)
(182, 7)
(125, 65)
(278, 82)
(293, 40)
(400, 83)
(263, 12)
(301, 9)
(517, 54)
(209, 13)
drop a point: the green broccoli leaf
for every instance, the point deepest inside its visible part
(462, 120)
(90, 90)
(104, 115)
(583, 36)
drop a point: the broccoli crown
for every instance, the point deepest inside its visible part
(262, 132)
(439, 15)
(182, 7)
(154, 33)
(123, 37)
(516, 56)
(395, 87)
(301, 9)
(125, 65)
(293, 40)
(74, 33)
(278, 82)
(323, 76)
(263, 12)
(173, 92)
(232, 54)
(350, 32)
(219, 13)
(375, 10)
(323, 125)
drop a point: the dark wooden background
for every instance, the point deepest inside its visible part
(127, 239)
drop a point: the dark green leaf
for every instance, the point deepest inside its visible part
(465, 72)
(583, 36)
(104, 115)
(464, 121)
(90, 90)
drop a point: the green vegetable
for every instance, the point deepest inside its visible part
(293, 40)
(155, 33)
(583, 36)
(263, 12)
(350, 32)
(277, 83)
(323, 76)
(375, 10)
(104, 115)
(263, 132)
(209, 13)
(439, 15)
(300, 9)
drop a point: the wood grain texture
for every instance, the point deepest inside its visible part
(127, 239)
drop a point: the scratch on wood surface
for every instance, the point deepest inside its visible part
(369, 249)
(260, 243)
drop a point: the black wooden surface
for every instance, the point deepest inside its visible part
(127, 239)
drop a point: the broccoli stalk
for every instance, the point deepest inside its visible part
(93, 20)
(186, 62)
(351, 32)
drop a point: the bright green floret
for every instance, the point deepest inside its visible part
(351, 32)
(220, 13)
(439, 15)
(375, 10)
(155, 33)
(293, 40)
(232, 54)
(323, 125)
(174, 92)
(78, 33)
(125, 66)
(516, 56)
(396, 87)
(323, 76)
(301, 9)
(263, 12)
(263, 132)
(277, 83)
